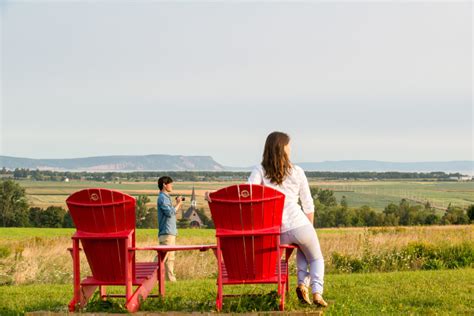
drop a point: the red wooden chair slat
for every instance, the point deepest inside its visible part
(105, 226)
(248, 219)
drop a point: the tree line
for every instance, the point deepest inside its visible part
(203, 176)
(16, 212)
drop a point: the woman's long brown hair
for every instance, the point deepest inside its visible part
(276, 163)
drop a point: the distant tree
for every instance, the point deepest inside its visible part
(20, 173)
(470, 212)
(428, 206)
(344, 203)
(37, 175)
(343, 216)
(141, 210)
(183, 223)
(53, 216)
(34, 216)
(454, 215)
(325, 197)
(366, 216)
(13, 205)
(67, 221)
(151, 218)
(432, 219)
(391, 220)
(325, 216)
(403, 211)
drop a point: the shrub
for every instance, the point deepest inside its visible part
(415, 256)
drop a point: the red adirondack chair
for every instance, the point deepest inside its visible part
(105, 222)
(248, 219)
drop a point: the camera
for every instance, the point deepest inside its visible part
(182, 198)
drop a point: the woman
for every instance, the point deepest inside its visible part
(278, 172)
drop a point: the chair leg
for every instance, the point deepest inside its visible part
(219, 297)
(103, 292)
(219, 277)
(76, 276)
(282, 297)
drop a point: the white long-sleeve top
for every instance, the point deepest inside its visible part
(295, 186)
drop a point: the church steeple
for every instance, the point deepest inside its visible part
(193, 199)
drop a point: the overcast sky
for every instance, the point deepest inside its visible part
(351, 80)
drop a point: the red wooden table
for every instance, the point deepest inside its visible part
(163, 250)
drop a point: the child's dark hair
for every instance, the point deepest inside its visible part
(164, 180)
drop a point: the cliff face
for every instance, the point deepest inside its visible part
(116, 163)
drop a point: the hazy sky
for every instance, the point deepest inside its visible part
(350, 80)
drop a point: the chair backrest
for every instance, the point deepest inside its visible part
(102, 212)
(248, 219)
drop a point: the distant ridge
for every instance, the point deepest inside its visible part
(116, 163)
(461, 166)
(207, 163)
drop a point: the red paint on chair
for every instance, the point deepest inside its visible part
(105, 226)
(248, 219)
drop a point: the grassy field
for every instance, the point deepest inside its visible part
(376, 194)
(36, 270)
(39, 255)
(446, 292)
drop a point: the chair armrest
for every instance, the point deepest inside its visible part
(289, 246)
(289, 250)
(70, 249)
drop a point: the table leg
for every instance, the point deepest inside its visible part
(161, 260)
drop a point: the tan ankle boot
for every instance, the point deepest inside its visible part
(303, 294)
(318, 300)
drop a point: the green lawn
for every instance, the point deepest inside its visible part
(442, 292)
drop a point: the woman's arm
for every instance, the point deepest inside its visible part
(305, 197)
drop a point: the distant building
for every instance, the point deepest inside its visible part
(461, 178)
(191, 214)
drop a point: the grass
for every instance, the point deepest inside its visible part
(444, 292)
(39, 255)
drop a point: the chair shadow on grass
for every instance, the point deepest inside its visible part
(253, 300)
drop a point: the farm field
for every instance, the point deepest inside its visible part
(36, 274)
(376, 194)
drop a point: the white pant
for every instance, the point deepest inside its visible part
(309, 254)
